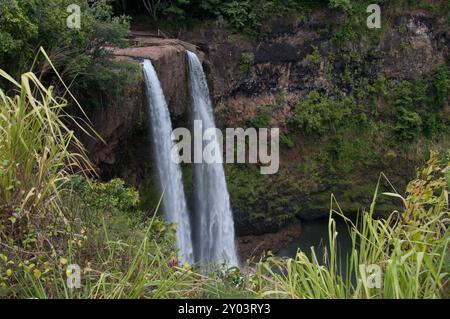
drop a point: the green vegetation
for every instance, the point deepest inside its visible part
(240, 15)
(251, 16)
(253, 195)
(80, 54)
(441, 86)
(314, 57)
(408, 125)
(343, 138)
(38, 152)
(54, 212)
(58, 217)
(52, 216)
(263, 117)
(414, 108)
(316, 114)
(247, 61)
(420, 104)
(287, 140)
(410, 247)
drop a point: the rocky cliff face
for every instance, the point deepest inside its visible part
(243, 68)
(169, 59)
(270, 75)
(121, 118)
(121, 121)
(279, 70)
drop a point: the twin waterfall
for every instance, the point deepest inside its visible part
(207, 235)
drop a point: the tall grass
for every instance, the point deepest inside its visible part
(38, 154)
(136, 262)
(410, 247)
(36, 145)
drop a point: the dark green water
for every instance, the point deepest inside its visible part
(315, 234)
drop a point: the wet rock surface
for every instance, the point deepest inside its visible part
(253, 247)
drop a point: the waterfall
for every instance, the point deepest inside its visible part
(170, 177)
(213, 226)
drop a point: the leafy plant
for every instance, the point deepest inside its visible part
(238, 14)
(317, 114)
(410, 249)
(403, 95)
(287, 140)
(441, 86)
(27, 25)
(106, 196)
(408, 125)
(345, 5)
(16, 31)
(263, 117)
(38, 154)
(246, 62)
(314, 57)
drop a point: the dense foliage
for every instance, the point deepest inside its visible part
(27, 25)
(316, 113)
(242, 15)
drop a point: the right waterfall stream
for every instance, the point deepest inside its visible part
(213, 225)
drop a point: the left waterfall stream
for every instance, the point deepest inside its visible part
(169, 172)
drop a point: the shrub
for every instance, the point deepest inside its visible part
(238, 14)
(403, 95)
(317, 114)
(287, 140)
(314, 57)
(246, 62)
(27, 25)
(408, 125)
(249, 15)
(418, 102)
(263, 117)
(111, 196)
(441, 86)
(344, 5)
(16, 32)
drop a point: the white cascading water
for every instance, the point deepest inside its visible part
(213, 226)
(174, 199)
